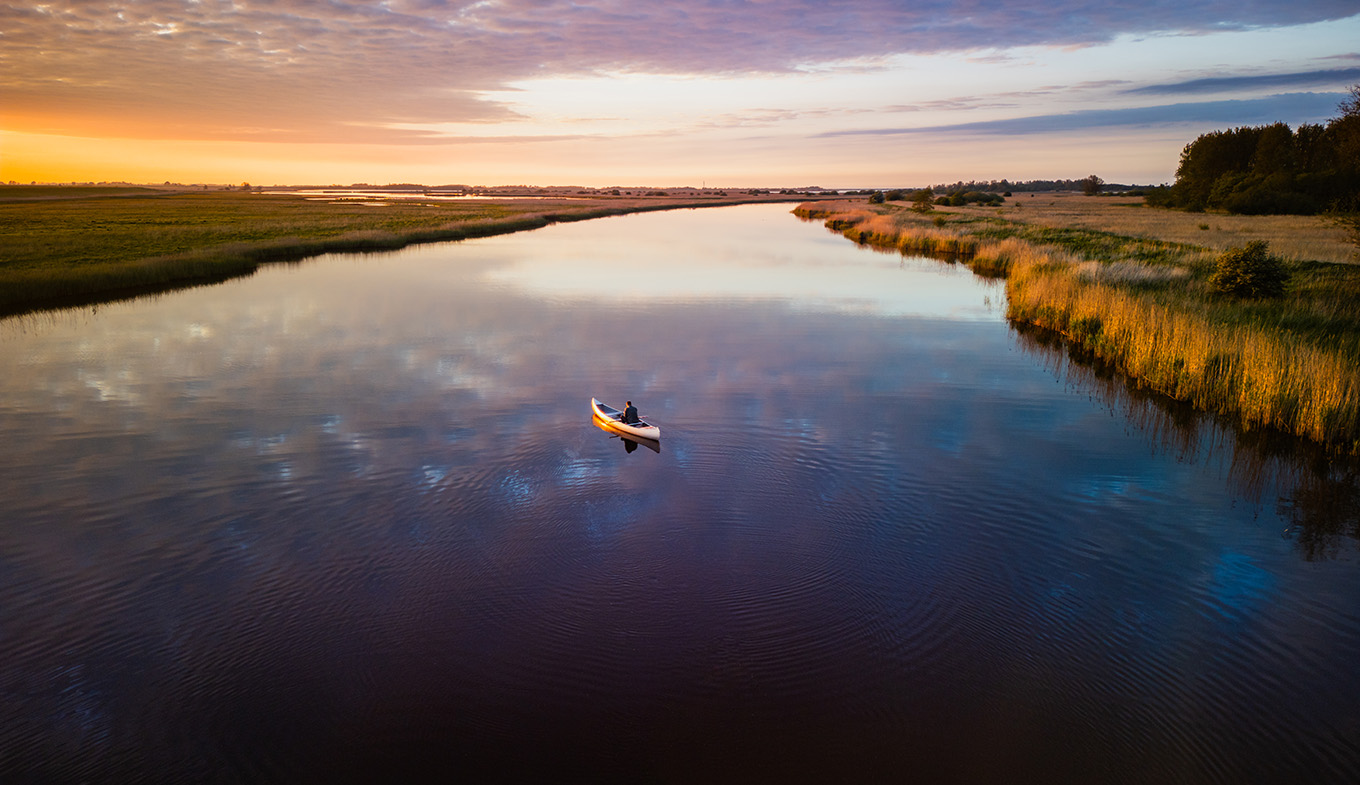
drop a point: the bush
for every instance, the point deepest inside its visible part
(1250, 272)
(977, 197)
(876, 198)
(1159, 196)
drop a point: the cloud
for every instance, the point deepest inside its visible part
(1289, 107)
(1006, 100)
(1330, 77)
(307, 68)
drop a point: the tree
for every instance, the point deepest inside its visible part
(1345, 133)
(1091, 185)
(245, 186)
(1350, 107)
(923, 200)
(1275, 150)
(1271, 169)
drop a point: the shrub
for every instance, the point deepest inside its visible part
(876, 198)
(961, 198)
(1250, 272)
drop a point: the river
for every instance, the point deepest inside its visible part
(349, 519)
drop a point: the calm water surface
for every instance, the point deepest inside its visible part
(349, 520)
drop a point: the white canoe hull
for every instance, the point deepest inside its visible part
(614, 419)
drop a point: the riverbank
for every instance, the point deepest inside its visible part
(109, 244)
(1143, 304)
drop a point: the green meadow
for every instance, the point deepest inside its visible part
(1147, 306)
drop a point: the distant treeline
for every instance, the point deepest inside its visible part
(927, 196)
(991, 193)
(1026, 186)
(1272, 169)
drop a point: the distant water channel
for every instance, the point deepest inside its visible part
(349, 520)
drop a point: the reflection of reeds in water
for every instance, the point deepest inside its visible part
(1317, 493)
(1145, 308)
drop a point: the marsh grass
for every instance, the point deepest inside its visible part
(1144, 304)
(57, 252)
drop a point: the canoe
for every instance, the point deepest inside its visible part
(614, 419)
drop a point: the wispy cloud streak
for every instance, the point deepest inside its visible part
(1324, 78)
(1293, 107)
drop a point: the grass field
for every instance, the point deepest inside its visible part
(1124, 284)
(63, 245)
(1295, 237)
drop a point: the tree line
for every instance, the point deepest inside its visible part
(1025, 186)
(1272, 169)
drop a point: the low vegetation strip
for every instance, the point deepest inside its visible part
(31, 193)
(63, 251)
(1149, 308)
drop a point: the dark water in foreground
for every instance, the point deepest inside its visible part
(350, 520)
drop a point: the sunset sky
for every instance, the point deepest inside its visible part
(867, 93)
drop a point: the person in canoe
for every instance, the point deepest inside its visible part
(630, 415)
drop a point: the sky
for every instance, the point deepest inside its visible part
(722, 93)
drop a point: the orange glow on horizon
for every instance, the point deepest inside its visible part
(826, 163)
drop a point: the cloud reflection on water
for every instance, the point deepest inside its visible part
(345, 507)
(679, 267)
